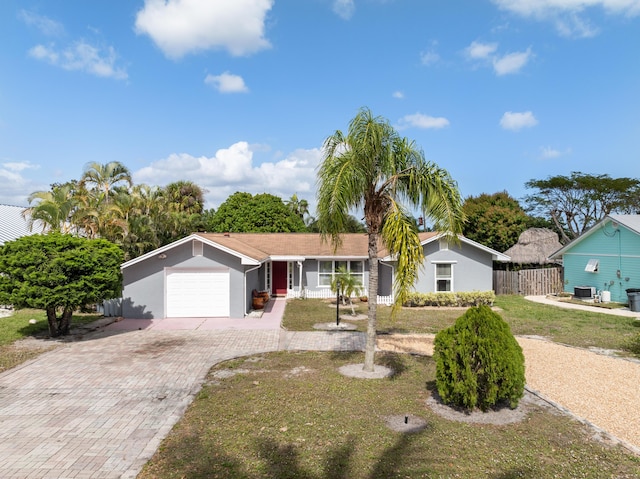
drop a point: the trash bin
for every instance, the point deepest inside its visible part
(633, 295)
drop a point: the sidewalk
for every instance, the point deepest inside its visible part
(586, 307)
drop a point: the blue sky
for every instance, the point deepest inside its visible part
(239, 95)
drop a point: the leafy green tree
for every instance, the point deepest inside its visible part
(58, 273)
(373, 168)
(478, 361)
(495, 220)
(262, 213)
(575, 203)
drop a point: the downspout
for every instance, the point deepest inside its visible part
(245, 287)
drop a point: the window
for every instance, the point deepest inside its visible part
(267, 276)
(444, 277)
(592, 266)
(327, 270)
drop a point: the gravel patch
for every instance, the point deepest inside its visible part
(599, 390)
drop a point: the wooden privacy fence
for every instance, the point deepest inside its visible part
(528, 282)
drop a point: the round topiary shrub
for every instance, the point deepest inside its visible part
(478, 361)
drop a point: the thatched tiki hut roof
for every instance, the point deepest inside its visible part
(534, 246)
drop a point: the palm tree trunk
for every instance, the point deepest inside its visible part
(370, 348)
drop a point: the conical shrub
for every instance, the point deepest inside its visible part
(479, 362)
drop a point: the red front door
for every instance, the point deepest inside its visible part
(279, 281)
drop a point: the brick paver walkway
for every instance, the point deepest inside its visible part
(100, 408)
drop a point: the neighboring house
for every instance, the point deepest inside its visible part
(534, 247)
(213, 275)
(606, 257)
(12, 224)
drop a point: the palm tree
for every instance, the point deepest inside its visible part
(105, 177)
(54, 209)
(346, 285)
(299, 207)
(374, 169)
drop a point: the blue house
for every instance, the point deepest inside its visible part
(606, 258)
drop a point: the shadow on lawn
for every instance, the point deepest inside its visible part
(282, 461)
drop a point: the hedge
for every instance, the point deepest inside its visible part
(464, 299)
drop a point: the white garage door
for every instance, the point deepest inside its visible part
(197, 293)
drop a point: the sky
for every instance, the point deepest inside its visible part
(239, 95)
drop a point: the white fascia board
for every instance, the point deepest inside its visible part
(244, 260)
(286, 258)
(156, 252)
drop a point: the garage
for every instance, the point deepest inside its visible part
(196, 293)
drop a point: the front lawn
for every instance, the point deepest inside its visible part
(17, 326)
(291, 415)
(567, 326)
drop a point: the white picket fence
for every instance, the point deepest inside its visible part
(326, 294)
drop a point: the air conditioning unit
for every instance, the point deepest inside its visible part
(584, 291)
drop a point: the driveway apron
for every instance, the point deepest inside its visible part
(100, 408)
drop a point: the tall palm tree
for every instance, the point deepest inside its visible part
(105, 177)
(374, 169)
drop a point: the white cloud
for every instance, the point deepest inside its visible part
(481, 51)
(82, 56)
(486, 54)
(568, 15)
(179, 27)
(418, 120)
(44, 24)
(542, 8)
(398, 94)
(517, 121)
(430, 56)
(511, 62)
(232, 169)
(549, 153)
(227, 83)
(344, 8)
(16, 186)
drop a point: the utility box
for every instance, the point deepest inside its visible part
(584, 292)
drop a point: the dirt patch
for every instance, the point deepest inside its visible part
(407, 343)
(500, 415)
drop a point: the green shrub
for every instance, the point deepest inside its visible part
(465, 299)
(478, 361)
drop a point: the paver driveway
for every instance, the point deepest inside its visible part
(99, 408)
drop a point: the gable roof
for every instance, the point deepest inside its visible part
(495, 255)
(256, 248)
(12, 224)
(631, 222)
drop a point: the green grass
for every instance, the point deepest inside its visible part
(567, 326)
(17, 326)
(293, 415)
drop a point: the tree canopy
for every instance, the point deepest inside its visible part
(261, 213)
(576, 202)
(58, 273)
(495, 220)
(372, 167)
